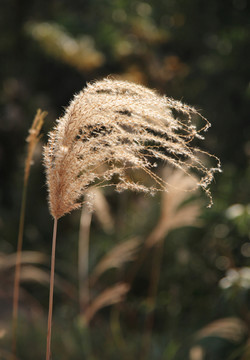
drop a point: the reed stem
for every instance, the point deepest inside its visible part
(18, 269)
(51, 290)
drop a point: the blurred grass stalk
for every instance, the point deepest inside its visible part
(83, 258)
(32, 140)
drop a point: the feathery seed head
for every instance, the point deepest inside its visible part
(112, 127)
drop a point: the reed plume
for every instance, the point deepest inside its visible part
(112, 126)
(110, 130)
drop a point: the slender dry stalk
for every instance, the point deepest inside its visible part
(51, 290)
(32, 139)
(111, 128)
(17, 271)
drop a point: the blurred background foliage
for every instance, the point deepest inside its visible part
(185, 294)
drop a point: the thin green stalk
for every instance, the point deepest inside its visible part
(18, 269)
(51, 290)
